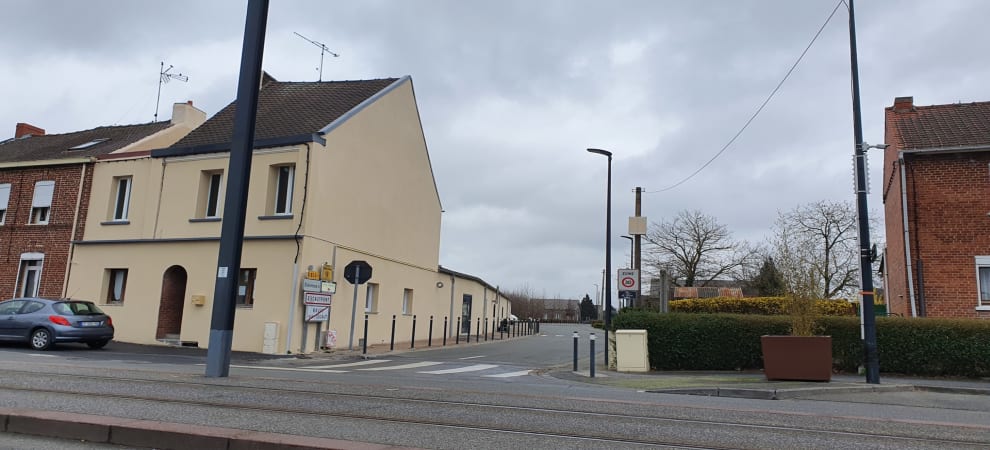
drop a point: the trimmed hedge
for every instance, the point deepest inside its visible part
(768, 306)
(928, 347)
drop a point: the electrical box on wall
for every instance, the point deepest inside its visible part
(199, 300)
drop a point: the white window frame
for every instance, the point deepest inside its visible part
(982, 262)
(371, 298)
(113, 275)
(125, 208)
(4, 201)
(41, 202)
(211, 193)
(407, 301)
(19, 290)
(285, 196)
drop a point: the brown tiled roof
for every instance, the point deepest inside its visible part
(941, 126)
(289, 109)
(56, 146)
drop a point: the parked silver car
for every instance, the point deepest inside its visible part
(44, 322)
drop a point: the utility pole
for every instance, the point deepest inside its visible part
(865, 263)
(639, 250)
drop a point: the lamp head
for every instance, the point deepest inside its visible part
(601, 152)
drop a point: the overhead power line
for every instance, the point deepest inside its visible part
(758, 110)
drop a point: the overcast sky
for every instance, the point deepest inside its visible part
(512, 92)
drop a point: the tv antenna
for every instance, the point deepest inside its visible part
(323, 50)
(163, 77)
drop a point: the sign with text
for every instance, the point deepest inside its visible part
(310, 285)
(315, 299)
(628, 280)
(316, 313)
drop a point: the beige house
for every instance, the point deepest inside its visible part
(340, 173)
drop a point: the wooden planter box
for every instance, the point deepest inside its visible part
(804, 358)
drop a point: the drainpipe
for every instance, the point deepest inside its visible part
(907, 234)
(72, 234)
(451, 323)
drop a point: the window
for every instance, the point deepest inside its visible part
(11, 307)
(983, 279)
(116, 285)
(209, 195)
(31, 307)
(245, 287)
(4, 200)
(89, 144)
(283, 177)
(122, 200)
(42, 203)
(371, 298)
(407, 301)
(29, 275)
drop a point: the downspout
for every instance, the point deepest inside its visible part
(75, 224)
(907, 234)
(294, 296)
(450, 324)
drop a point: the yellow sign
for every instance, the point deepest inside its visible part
(327, 274)
(313, 275)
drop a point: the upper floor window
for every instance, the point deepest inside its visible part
(4, 200)
(283, 178)
(122, 198)
(41, 205)
(209, 194)
(983, 279)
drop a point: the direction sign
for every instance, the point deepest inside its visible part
(310, 285)
(357, 272)
(313, 298)
(628, 280)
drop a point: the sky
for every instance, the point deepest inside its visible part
(512, 92)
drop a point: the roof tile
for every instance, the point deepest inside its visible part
(56, 146)
(942, 126)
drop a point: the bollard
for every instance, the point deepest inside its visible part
(501, 330)
(537, 326)
(575, 350)
(486, 329)
(468, 324)
(391, 345)
(364, 344)
(477, 331)
(592, 367)
(444, 331)
(458, 330)
(412, 342)
(493, 327)
(429, 340)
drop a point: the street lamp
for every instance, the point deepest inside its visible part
(632, 250)
(608, 248)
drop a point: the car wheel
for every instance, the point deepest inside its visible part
(96, 345)
(41, 339)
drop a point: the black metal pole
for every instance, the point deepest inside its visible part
(391, 344)
(486, 329)
(477, 331)
(457, 339)
(865, 263)
(235, 201)
(444, 331)
(576, 351)
(608, 246)
(364, 342)
(429, 340)
(412, 342)
(592, 365)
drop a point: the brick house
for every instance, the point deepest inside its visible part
(936, 194)
(45, 181)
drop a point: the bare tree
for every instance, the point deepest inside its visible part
(695, 249)
(818, 240)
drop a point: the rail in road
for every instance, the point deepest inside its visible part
(438, 418)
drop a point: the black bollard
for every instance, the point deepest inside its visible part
(429, 340)
(477, 331)
(468, 323)
(412, 342)
(444, 331)
(391, 345)
(575, 350)
(502, 330)
(457, 329)
(592, 367)
(486, 329)
(493, 328)
(364, 343)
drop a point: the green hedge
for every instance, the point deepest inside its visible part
(929, 347)
(770, 306)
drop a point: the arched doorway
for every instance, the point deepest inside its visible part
(170, 308)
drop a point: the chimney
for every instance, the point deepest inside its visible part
(187, 114)
(25, 129)
(903, 104)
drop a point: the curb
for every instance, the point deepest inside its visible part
(780, 394)
(160, 435)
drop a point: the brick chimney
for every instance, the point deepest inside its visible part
(25, 129)
(903, 104)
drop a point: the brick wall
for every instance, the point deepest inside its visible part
(172, 301)
(53, 239)
(948, 203)
(897, 294)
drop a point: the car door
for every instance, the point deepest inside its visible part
(8, 316)
(26, 318)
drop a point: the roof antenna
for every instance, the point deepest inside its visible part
(323, 49)
(163, 77)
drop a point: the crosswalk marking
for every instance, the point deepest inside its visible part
(290, 369)
(473, 357)
(404, 366)
(508, 374)
(353, 364)
(473, 368)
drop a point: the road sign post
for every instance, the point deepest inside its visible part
(357, 273)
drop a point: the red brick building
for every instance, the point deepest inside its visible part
(45, 182)
(936, 194)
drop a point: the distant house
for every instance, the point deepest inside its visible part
(558, 310)
(936, 195)
(45, 181)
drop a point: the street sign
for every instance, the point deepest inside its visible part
(357, 272)
(627, 295)
(317, 313)
(328, 287)
(311, 285)
(313, 298)
(628, 280)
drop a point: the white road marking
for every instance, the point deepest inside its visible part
(42, 356)
(473, 368)
(291, 369)
(473, 357)
(353, 364)
(508, 374)
(404, 366)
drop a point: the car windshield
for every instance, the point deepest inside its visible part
(76, 309)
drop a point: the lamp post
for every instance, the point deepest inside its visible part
(632, 251)
(608, 248)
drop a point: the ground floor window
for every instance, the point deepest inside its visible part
(29, 275)
(407, 300)
(370, 298)
(245, 287)
(983, 279)
(116, 284)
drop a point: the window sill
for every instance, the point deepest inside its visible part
(116, 222)
(205, 219)
(278, 217)
(37, 224)
(371, 312)
(983, 308)
(113, 304)
(245, 306)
